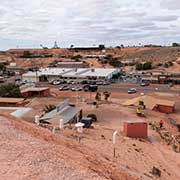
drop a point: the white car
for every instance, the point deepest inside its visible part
(132, 91)
(76, 88)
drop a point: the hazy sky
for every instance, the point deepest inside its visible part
(29, 23)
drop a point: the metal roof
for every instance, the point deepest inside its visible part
(74, 72)
(67, 114)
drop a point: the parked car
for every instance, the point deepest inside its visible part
(64, 88)
(77, 88)
(170, 84)
(144, 84)
(56, 82)
(91, 88)
(99, 83)
(106, 83)
(132, 91)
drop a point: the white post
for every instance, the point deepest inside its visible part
(79, 127)
(37, 120)
(54, 130)
(114, 142)
(61, 124)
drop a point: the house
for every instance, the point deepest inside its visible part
(62, 111)
(34, 91)
(161, 105)
(138, 129)
(11, 102)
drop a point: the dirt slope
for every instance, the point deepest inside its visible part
(29, 152)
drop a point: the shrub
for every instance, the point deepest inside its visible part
(10, 90)
(139, 66)
(49, 108)
(147, 65)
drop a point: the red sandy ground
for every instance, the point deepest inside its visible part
(30, 152)
(33, 153)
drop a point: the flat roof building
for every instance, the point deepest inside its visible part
(11, 102)
(70, 73)
(34, 91)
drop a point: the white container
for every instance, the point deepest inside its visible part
(79, 127)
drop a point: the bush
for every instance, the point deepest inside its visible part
(139, 66)
(175, 44)
(2, 67)
(115, 62)
(77, 57)
(10, 90)
(147, 65)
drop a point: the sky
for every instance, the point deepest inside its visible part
(29, 23)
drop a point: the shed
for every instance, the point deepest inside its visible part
(138, 129)
(11, 102)
(34, 91)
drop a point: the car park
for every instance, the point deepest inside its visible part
(132, 91)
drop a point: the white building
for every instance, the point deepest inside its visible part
(70, 73)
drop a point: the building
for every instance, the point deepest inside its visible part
(16, 69)
(70, 73)
(34, 91)
(86, 48)
(135, 129)
(160, 77)
(161, 105)
(11, 102)
(63, 111)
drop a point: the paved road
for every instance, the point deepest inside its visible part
(123, 88)
(152, 88)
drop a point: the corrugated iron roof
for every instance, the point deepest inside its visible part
(66, 114)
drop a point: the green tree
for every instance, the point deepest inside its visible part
(2, 67)
(147, 65)
(98, 96)
(106, 95)
(77, 57)
(139, 66)
(175, 44)
(101, 46)
(10, 90)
